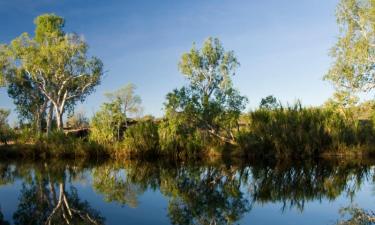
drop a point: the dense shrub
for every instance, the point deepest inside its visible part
(141, 139)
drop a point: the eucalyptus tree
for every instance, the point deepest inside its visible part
(129, 102)
(56, 63)
(209, 101)
(354, 53)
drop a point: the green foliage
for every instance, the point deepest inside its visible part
(178, 138)
(141, 139)
(53, 62)
(298, 131)
(105, 125)
(209, 105)
(354, 51)
(128, 101)
(58, 144)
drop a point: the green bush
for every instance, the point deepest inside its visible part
(141, 139)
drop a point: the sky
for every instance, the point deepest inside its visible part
(282, 46)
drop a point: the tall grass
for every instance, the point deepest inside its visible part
(298, 131)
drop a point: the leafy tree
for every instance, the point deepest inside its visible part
(354, 52)
(209, 102)
(56, 63)
(130, 103)
(269, 102)
(106, 125)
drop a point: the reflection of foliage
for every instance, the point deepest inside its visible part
(44, 199)
(357, 215)
(115, 186)
(297, 183)
(197, 193)
(7, 174)
(206, 196)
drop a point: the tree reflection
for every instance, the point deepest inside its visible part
(222, 194)
(295, 183)
(45, 198)
(112, 183)
(211, 193)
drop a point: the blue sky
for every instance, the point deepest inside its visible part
(282, 45)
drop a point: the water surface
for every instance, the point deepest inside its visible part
(159, 192)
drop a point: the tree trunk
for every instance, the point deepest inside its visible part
(59, 119)
(49, 118)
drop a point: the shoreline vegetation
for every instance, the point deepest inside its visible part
(284, 132)
(48, 73)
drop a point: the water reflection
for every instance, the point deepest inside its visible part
(214, 193)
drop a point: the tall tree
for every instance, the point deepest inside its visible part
(354, 53)
(57, 63)
(210, 101)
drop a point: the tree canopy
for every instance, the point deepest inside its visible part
(55, 62)
(354, 52)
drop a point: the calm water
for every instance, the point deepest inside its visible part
(138, 192)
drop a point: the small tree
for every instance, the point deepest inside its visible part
(128, 101)
(269, 103)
